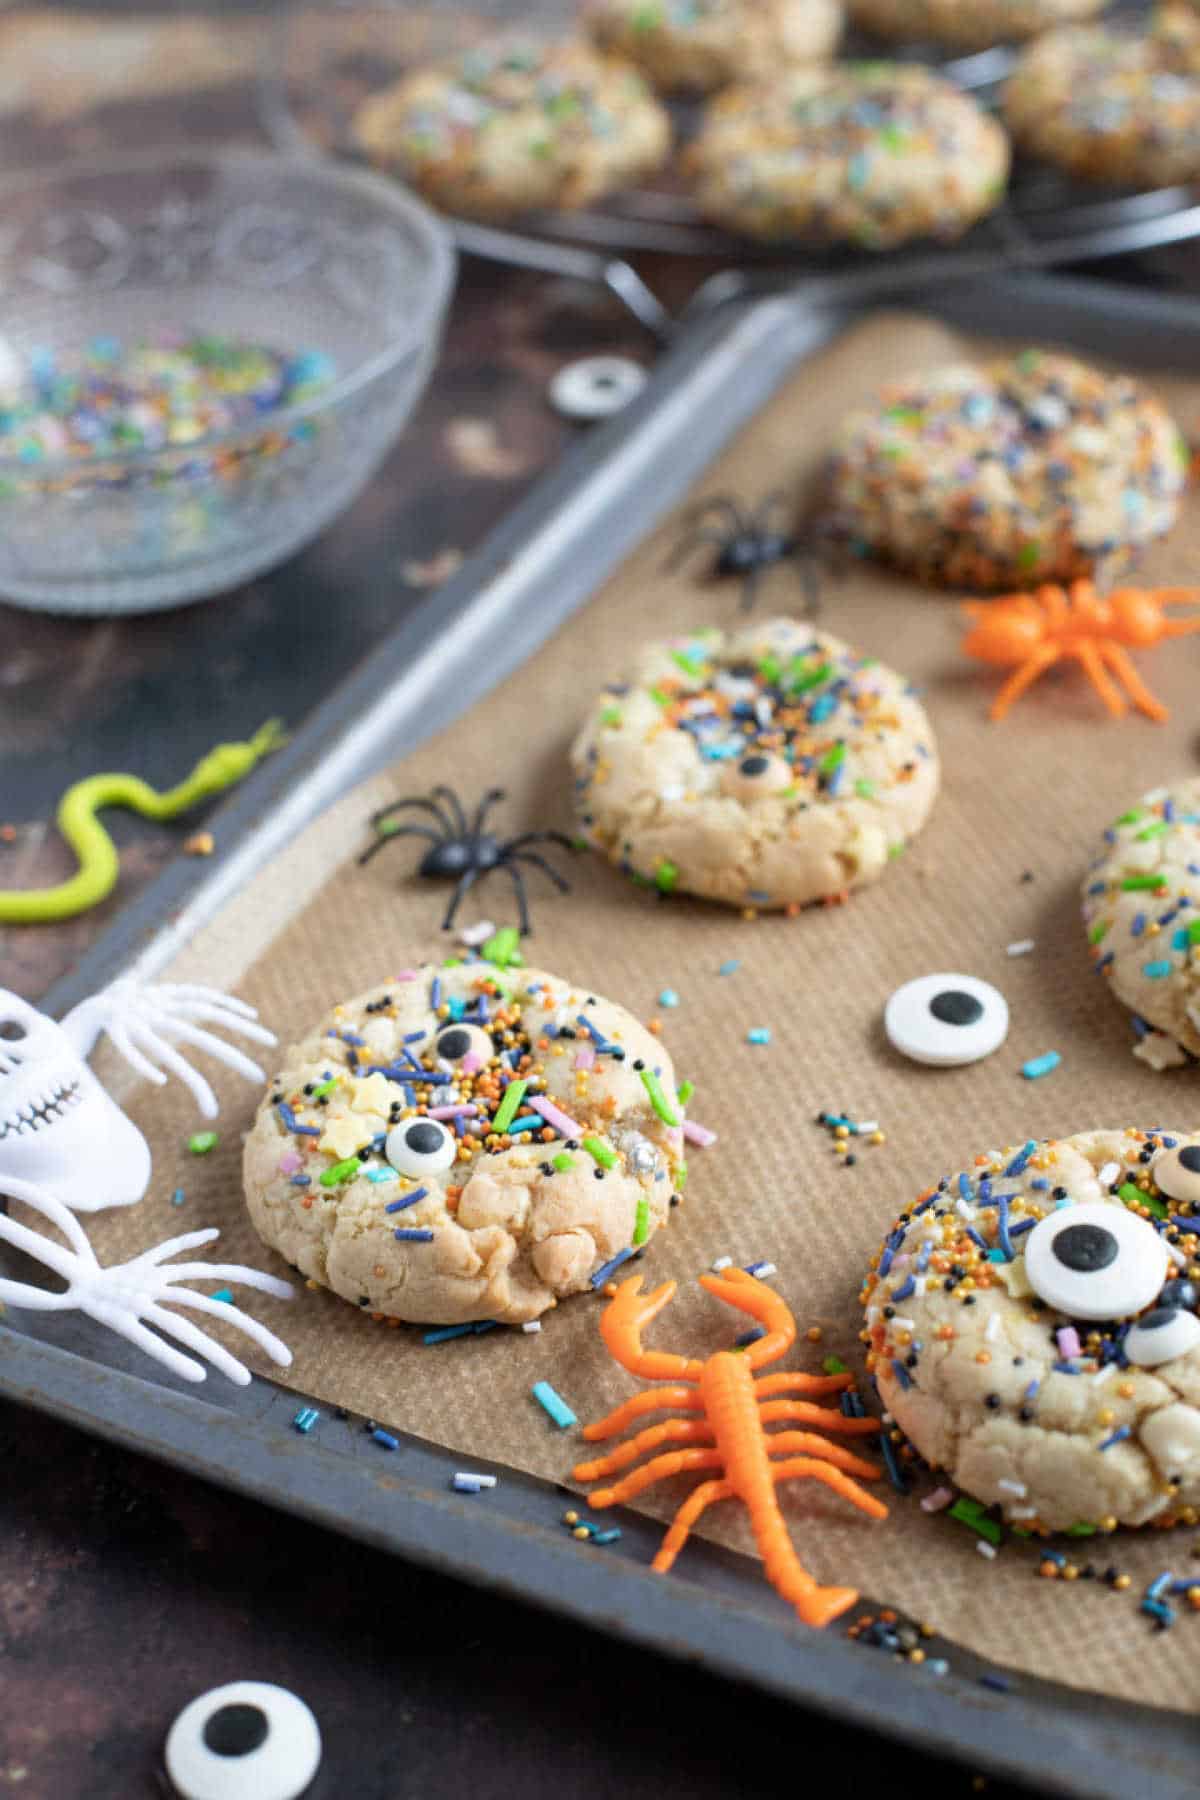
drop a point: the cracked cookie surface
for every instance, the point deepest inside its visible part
(1025, 1407)
(465, 1143)
(699, 45)
(767, 767)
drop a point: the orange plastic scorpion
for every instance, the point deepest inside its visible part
(1038, 629)
(731, 1437)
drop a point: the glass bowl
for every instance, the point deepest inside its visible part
(331, 268)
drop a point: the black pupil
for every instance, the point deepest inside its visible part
(236, 1730)
(1085, 1248)
(754, 765)
(11, 1030)
(953, 1007)
(424, 1139)
(453, 1044)
(1189, 1158)
(1154, 1321)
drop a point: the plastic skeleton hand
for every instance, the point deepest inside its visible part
(131, 1296)
(58, 1126)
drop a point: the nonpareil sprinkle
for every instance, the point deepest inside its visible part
(201, 1142)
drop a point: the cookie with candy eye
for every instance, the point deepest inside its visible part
(1034, 1333)
(466, 1143)
(1141, 913)
(765, 767)
(699, 45)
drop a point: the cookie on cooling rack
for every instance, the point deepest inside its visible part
(1004, 475)
(767, 767)
(871, 154)
(517, 125)
(465, 1143)
(1034, 1333)
(698, 45)
(1108, 106)
(1176, 26)
(967, 24)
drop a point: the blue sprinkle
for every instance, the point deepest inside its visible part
(611, 1536)
(1158, 1609)
(435, 993)
(1000, 1683)
(223, 1294)
(385, 1438)
(554, 1404)
(1137, 924)
(445, 1332)
(409, 1199)
(1159, 1586)
(759, 1034)
(1154, 971)
(1031, 1390)
(727, 968)
(901, 1373)
(611, 1266)
(1019, 1161)
(305, 1419)
(750, 1337)
(1002, 1229)
(301, 1181)
(1116, 1437)
(1018, 1230)
(597, 1037)
(668, 997)
(964, 1187)
(1040, 1065)
(178, 1197)
(1105, 961)
(378, 1175)
(977, 1239)
(413, 1237)
(289, 1118)
(895, 1476)
(907, 1286)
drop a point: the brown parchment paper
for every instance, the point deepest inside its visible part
(1032, 795)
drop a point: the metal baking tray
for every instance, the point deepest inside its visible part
(543, 563)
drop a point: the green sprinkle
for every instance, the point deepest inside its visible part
(563, 1162)
(658, 1099)
(893, 138)
(833, 1365)
(646, 18)
(1132, 1195)
(770, 668)
(801, 678)
(541, 149)
(688, 664)
(1082, 1529)
(895, 850)
(611, 715)
(503, 947)
(865, 790)
(660, 696)
(1029, 360)
(832, 759)
(1029, 555)
(1135, 884)
(201, 1142)
(326, 1087)
(686, 1090)
(1151, 831)
(666, 877)
(341, 1171)
(1193, 932)
(681, 1177)
(1098, 931)
(970, 1512)
(506, 1112)
(600, 1152)
(1131, 817)
(641, 1227)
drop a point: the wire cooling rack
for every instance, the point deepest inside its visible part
(321, 58)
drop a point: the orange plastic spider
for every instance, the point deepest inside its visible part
(731, 1437)
(1038, 629)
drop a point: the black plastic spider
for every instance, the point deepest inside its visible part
(746, 545)
(467, 850)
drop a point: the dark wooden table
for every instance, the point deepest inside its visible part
(125, 1589)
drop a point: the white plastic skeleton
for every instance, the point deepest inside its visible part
(58, 1126)
(131, 1296)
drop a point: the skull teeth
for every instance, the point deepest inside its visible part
(39, 1113)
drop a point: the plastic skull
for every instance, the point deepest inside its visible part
(58, 1127)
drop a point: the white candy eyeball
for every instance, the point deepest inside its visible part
(596, 386)
(249, 1740)
(756, 775)
(456, 1041)
(946, 1020)
(420, 1147)
(1177, 1172)
(1160, 1336)
(1094, 1261)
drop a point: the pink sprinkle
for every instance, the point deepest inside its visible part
(290, 1163)
(555, 1116)
(585, 1056)
(471, 1063)
(407, 975)
(452, 1112)
(939, 1499)
(1068, 1342)
(698, 1134)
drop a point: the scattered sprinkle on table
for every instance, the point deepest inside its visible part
(1021, 947)
(728, 968)
(758, 1034)
(305, 1419)
(465, 1482)
(223, 1294)
(668, 997)
(201, 1142)
(554, 1404)
(178, 1197)
(385, 1438)
(1037, 1066)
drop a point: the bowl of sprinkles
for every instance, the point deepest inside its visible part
(202, 361)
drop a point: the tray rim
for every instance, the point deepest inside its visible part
(1027, 1733)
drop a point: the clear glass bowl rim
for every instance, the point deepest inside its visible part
(388, 195)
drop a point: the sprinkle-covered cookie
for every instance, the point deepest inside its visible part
(1108, 105)
(1033, 1329)
(766, 767)
(515, 125)
(1011, 473)
(871, 154)
(1141, 911)
(698, 45)
(466, 1143)
(967, 24)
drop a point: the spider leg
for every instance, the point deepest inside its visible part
(814, 1445)
(1025, 676)
(539, 862)
(757, 520)
(679, 1431)
(466, 882)
(419, 800)
(750, 588)
(490, 799)
(718, 503)
(1121, 663)
(660, 1468)
(799, 1467)
(539, 837)
(518, 882)
(691, 542)
(400, 832)
(809, 1414)
(809, 569)
(697, 1502)
(454, 806)
(801, 1383)
(654, 1400)
(1092, 663)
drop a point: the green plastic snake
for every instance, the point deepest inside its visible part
(99, 866)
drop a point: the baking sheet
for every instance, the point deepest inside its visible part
(1032, 794)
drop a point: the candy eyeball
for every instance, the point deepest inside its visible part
(1177, 1172)
(756, 775)
(249, 1740)
(420, 1147)
(1160, 1336)
(456, 1043)
(946, 1020)
(1093, 1261)
(596, 386)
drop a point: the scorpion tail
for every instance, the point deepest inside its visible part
(736, 1288)
(814, 1604)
